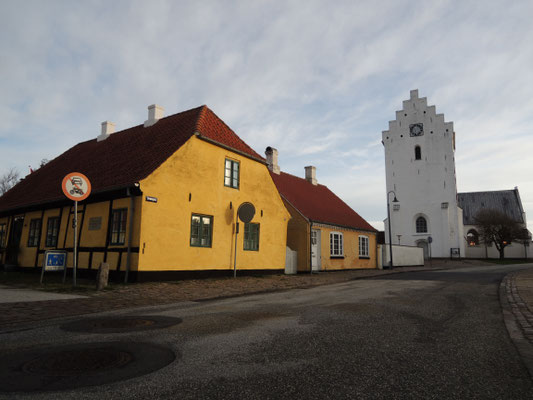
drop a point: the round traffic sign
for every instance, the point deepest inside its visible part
(246, 212)
(76, 186)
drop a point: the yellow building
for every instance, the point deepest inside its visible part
(164, 200)
(324, 231)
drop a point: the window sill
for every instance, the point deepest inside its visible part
(364, 257)
(333, 257)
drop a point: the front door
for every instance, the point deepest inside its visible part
(424, 245)
(13, 243)
(315, 250)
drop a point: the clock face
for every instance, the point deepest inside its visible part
(416, 129)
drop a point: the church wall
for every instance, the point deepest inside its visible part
(425, 186)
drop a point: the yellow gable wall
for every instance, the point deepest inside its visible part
(351, 258)
(192, 181)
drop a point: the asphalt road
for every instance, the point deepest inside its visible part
(427, 335)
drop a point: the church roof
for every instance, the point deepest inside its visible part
(317, 203)
(124, 158)
(507, 201)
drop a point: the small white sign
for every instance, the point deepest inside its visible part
(151, 199)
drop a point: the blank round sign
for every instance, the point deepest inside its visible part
(246, 212)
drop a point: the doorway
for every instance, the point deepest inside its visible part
(315, 250)
(424, 245)
(13, 243)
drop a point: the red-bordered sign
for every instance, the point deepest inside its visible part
(76, 186)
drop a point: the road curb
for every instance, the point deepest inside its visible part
(517, 317)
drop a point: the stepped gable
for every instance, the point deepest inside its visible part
(122, 159)
(317, 203)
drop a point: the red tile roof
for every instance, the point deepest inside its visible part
(318, 203)
(123, 158)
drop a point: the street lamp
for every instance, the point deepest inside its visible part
(388, 217)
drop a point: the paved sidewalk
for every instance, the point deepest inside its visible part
(519, 288)
(158, 293)
(516, 296)
(15, 295)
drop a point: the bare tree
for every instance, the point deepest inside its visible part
(8, 180)
(499, 228)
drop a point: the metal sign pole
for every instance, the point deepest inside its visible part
(75, 241)
(235, 258)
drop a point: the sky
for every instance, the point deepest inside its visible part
(318, 80)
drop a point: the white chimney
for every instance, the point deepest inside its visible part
(155, 113)
(272, 159)
(310, 174)
(107, 129)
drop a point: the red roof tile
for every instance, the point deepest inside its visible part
(318, 203)
(123, 158)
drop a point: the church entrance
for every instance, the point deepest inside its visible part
(424, 245)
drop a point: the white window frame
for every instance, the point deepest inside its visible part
(339, 252)
(364, 246)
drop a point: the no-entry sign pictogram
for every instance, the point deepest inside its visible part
(76, 186)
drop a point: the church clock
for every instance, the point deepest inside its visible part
(416, 129)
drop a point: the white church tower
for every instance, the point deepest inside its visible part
(420, 169)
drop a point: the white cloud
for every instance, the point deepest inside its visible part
(317, 80)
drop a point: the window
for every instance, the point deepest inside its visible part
(314, 236)
(35, 233)
(418, 153)
(52, 231)
(472, 237)
(231, 174)
(335, 244)
(421, 225)
(118, 226)
(251, 237)
(201, 230)
(363, 247)
(2, 235)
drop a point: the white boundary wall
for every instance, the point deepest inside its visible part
(291, 262)
(402, 256)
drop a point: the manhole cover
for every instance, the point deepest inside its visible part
(73, 366)
(74, 362)
(120, 324)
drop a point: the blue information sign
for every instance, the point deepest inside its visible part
(55, 260)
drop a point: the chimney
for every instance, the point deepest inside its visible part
(310, 174)
(155, 113)
(107, 129)
(272, 159)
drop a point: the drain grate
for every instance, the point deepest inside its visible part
(74, 366)
(121, 324)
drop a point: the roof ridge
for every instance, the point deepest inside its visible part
(201, 116)
(488, 191)
(303, 179)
